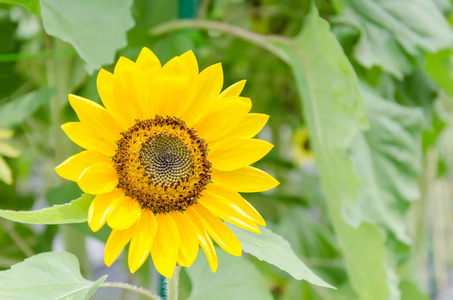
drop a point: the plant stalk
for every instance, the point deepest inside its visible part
(131, 287)
(265, 41)
(172, 286)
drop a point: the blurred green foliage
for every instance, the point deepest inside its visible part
(371, 80)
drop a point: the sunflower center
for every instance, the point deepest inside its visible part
(162, 164)
(167, 160)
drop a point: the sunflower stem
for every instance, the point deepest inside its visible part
(130, 287)
(172, 286)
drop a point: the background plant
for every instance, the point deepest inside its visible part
(370, 80)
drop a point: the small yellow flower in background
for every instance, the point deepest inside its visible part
(301, 147)
(166, 159)
(8, 151)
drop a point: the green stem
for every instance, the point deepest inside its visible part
(6, 262)
(75, 243)
(264, 41)
(23, 246)
(131, 287)
(172, 286)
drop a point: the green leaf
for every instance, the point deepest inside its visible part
(335, 113)
(440, 120)
(17, 110)
(8, 150)
(388, 158)
(236, 278)
(439, 66)
(396, 34)
(47, 276)
(5, 133)
(274, 249)
(96, 29)
(31, 5)
(5, 172)
(73, 212)
(410, 291)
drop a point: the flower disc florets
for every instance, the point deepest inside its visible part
(162, 164)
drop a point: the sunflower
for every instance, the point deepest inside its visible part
(166, 158)
(301, 147)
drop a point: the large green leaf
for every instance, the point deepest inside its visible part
(236, 278)
(335, 113)
(388, 158)
(96, 29)
(274, 249)
(396, 34)
(17, 110)
(73, 212)
(47, 276)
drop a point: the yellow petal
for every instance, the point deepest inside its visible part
(106, 82)
(171, 87)
(142, 240)
(222, 118)
(100, 208)
(96, 117)
(72, 167)
(233, 90)
(234, 199)
(126, 102)
(99, 178)
(87, 138)
(150, 66)
(208, 86)
(204, 239)
(116, 242)
(164, 250)
(248, 127)
(147, 61)
(191, 61)
(188, 240)
(136, 87)
(244, 180)
(125, 214)
(223, 235)
(237, 153)
(227, 211)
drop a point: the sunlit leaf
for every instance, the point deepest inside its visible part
(236, 278)
(50, 275)
(8, 150)
(274, 249)
(335, 113)
(5, 133)
(96, 29)
(5, 172)
(73, 212)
